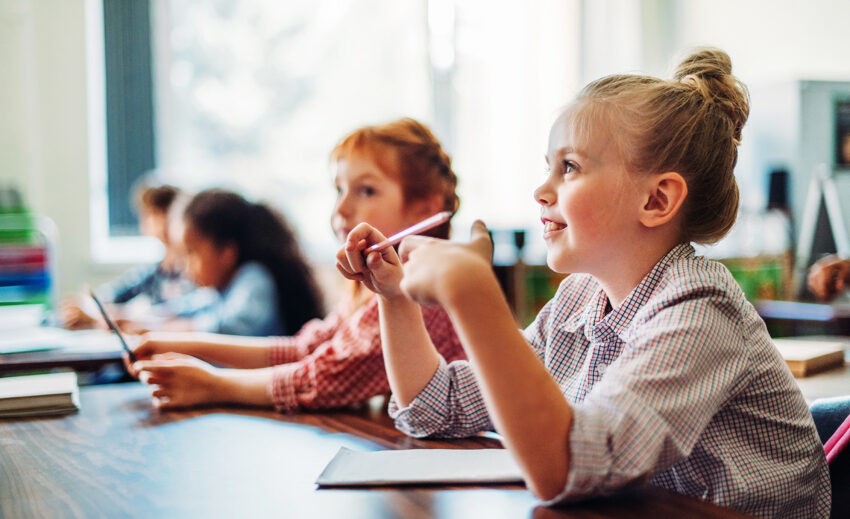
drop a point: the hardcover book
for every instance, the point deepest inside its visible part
(805, 357)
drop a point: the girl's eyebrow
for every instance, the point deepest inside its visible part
(358, 177)
(368, 175)
(567, 150)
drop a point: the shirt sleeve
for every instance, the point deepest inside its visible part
(338, 361)
(632, 425)
(311, 336)
(346, 368)
(247, 307)
(449, 406)
(130, 284)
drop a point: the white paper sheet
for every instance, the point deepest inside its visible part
(419, 466)
(37, 338)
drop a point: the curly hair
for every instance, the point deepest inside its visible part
(260, 234)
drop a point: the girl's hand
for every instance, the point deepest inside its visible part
(829, 276)
(157, 343)
(379, 271)
(74, 317)
(131, 327)
(436, 270)
(181, 380)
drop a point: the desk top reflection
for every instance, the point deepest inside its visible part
(121, 458)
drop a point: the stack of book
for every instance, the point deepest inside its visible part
(24, 273)
(32, 395)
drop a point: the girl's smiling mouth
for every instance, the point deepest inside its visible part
(549, 226)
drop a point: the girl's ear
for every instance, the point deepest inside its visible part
(667, 193)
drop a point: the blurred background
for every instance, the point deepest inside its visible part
(253, 94)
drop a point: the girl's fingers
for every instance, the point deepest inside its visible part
(349, 275)
(161, 392)
(161, 402)
(480, 240)
(172, 355)
(156, 379)
(342, 262)
(354, 254)
(412, 243)
(358, 239)
(152, 367)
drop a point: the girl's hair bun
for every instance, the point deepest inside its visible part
(709, 72)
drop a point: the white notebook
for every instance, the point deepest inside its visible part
(419, 466)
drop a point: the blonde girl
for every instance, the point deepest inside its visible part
(648, 365)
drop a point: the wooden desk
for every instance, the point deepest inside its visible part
(120, 458)
(832, 383)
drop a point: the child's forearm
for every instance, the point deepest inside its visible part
(525, 403)
(237, 352)
(245, 386)
(409, 355)
(226, 350)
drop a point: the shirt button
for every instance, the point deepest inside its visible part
(601, 369)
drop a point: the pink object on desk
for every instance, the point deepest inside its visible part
(838, 441)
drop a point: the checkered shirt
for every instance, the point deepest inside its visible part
(679, 386)
(337, 361)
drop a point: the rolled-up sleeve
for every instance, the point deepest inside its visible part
(449, 406)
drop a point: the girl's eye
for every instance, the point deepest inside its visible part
(569, 166)
(366, 190)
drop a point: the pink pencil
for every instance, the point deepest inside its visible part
(838, 441)
(424, 225)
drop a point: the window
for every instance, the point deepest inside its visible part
(129, 106)
(253, 94)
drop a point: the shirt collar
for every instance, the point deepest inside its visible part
(622, 316)
(597, 324)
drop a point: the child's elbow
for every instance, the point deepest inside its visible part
(544, 486)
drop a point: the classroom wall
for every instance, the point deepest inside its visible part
(774, 44)
(43, 128)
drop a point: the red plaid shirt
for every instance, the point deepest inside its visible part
(337, 361)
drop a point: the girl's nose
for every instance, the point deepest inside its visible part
(342, 206)
(544, 195)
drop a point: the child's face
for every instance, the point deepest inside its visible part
(154, 223)
(588, 203)
(365, 193)
(207, 264)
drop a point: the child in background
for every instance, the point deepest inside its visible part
(248, 253)
(648, 365)
(392, 176)
(157, 284)
(829, 277)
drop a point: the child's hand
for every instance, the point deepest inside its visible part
(131, 327)
(156, 343)
(829, 276)
(435, 270)
(74, 317)
(180, 380)
(379, 271)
